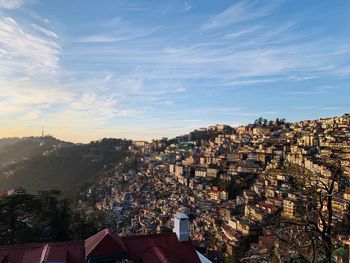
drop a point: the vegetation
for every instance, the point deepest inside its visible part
(43, 217)
(312, 233)
(65, 168)
(14, 150)
(8, 141)
(261, 122)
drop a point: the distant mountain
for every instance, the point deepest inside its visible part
(15, 149)
(7, 141)
(37, 164)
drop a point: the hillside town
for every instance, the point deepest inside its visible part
(246, 190)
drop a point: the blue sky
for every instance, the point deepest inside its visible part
(146, 69)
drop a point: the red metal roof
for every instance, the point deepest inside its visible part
(157, 248)
(104, 243)
(161, 248)
(156, 255)
(69, 252)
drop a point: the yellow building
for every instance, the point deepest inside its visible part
(291, 208)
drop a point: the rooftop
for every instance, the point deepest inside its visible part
(162, 248)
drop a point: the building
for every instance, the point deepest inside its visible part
(200, 172)
(291, 208)
(108, 247)
(140, 143)
(212, 172)
(340, 205)
(214, 194)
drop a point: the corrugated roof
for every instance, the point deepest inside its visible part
(157, 248)
(165, 247)
(103, 243)
(2, 257)
(69, 252)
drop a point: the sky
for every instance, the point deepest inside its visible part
(84, 69)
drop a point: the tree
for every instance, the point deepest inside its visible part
(80, 228)
(44, 217)
(259, 121)
(313, 232)
(54, 214)
(19, 218)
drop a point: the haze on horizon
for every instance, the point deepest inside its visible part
(147, 69)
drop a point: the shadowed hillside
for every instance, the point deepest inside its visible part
(61, 166)
(13, 150)
(7, 141)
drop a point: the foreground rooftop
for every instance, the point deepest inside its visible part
(105, 247)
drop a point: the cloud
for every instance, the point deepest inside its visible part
(243, 32)
(38, 17)
(194, 69)
(330, 108)
(24, 51)
(154, 67)
(124, 32)
(241, 12)
(187, 7)
(128, 72)
(118, 36)
(30, 116)
(180, 89)
(263, 113)
(318, 90)
(31, 103)
(168, 103)
(11, 4)
(44, 31)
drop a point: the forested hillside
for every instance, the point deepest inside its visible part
(43, 217)
(62, 166)
(13, 150)
(8, 141)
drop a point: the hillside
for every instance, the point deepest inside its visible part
(7, 141)
(65, 167)
(14, 149)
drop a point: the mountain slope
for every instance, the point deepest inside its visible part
(64, 168)
(8, 141)
(14, 150)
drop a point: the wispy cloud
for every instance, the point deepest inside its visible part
(241, 12)
(122, 31)
(318, 90)
(243, 32)
(187, 7)
(26, 52)
(118, 36)
(162, 71)
(142, 70)
(27, 99)
(45, 31)
(13, 4)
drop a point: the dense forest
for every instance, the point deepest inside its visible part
(43, 217)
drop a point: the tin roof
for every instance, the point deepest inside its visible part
(156, 248)
(71, 251)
